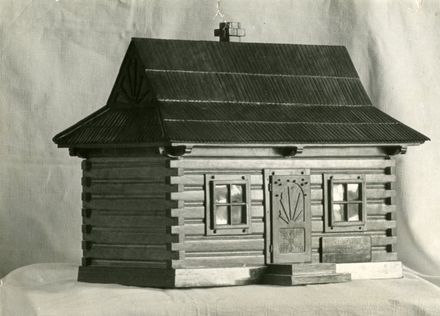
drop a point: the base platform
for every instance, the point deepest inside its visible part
(210, 277)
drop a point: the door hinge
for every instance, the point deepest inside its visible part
(270, 187)
(271, 248)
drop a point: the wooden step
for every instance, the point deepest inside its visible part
(301, 268)
(303, 279)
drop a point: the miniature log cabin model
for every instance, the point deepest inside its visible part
(222, 163)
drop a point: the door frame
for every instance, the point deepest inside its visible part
(267, 173)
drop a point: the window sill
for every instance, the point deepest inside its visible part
(241, 230)
(345, 228)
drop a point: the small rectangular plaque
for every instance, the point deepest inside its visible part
(346, 249)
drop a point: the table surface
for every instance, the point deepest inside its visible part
(52, 289)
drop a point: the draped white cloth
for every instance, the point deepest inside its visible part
(52, 289)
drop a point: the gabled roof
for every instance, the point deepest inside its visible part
(174, 91)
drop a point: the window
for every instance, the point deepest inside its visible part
(227, 205)
(345, 202)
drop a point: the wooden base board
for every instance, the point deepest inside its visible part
(162, 278)
(218, 276)
(171, 278)
(210, 277)
(371, 270)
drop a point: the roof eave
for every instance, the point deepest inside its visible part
(114, 145)
(197, 144)
(266, 145)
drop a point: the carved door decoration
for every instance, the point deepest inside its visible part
(291, 218)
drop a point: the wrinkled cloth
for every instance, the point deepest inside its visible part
(52, 289)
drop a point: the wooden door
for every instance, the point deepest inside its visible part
(291, 218)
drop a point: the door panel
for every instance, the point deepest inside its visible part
(291, 218)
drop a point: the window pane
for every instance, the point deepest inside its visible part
(236, 193)
(338, 192)
(354, 212)
(339, 212)
(354, 190)
(221, 215)
(221, 193)
(238, 215)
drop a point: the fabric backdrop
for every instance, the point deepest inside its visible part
(59, 59)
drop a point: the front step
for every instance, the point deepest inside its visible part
(301, 268)
(301, 274)
(303, 279)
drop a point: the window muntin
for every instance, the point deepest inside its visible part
(345, 202)
(227, 205)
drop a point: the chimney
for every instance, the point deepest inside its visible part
(228, 31)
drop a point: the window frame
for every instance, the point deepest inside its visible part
(214, 229)
(330, 224)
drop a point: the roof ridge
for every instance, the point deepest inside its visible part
(216, 42)
(247, 74)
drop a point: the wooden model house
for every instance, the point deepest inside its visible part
(217, 163)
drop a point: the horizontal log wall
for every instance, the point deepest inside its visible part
(127, 214)
(211, 251)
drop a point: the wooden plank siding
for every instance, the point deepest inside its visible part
(127, 214)
(247, 250)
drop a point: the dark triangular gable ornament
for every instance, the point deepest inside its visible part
(132, 87)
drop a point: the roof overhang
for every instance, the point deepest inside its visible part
(175, 150)
(188, 144)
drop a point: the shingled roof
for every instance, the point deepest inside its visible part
(205, 92)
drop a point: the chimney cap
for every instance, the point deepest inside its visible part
(227, 30)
